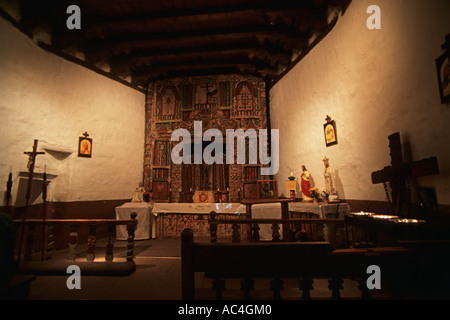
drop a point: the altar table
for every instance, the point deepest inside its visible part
(198, 208)
(174, 217)
(331, 210)
(146, 227)
(267, 211)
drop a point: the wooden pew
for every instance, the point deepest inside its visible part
(279, 260)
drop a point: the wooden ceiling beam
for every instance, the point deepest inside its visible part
(189, 39)
(104, 27)
(199, 65)
(152, 57)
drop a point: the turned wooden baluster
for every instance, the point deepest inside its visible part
(50, 242)
(276, 285)
(275, 232)
(110, 245)
(255, 235)
(247, 285)
(335, 285)
(73, 241)
(92, 239)
(236, 237)
(213, 226)
(306, 285)
(218, 285)
(31, 235)
(362, 285)
(131, 227)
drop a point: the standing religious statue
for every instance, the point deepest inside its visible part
(305, 184)
(330, 187)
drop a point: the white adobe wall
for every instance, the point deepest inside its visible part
(373, 83)
(45, 97)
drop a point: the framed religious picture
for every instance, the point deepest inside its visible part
(267, 189)
(329, 130)
(160, 191)
(250, 190)
(85, 146)
(443, 72)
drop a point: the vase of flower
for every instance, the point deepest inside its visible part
(315, 195)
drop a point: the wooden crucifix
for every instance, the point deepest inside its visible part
(31, 162)
(400, 173)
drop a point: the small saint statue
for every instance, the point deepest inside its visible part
(305, 184)
(330, 187)
(138, 195)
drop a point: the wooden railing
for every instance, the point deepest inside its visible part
(280, 261)
(28, 229)
(253, 227)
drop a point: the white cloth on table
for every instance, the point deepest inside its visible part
(267, 211)
(146, 227)
(198, 208)
(324, 211)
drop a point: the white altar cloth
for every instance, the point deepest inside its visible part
(325, 211)
(198, 208)
(146, 227)
(267, 211)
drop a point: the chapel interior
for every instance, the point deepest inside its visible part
(147, 141)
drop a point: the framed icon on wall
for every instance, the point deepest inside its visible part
(85, 146)
(329, 130)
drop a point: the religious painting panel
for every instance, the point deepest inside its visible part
(161, 153)
(250, 191)
(203, 196)
(245, 100)
(160, 191)
(267, 189)
(167, 103)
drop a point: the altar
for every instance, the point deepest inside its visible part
(146, 227)
(168, 220)
(323, 210)
(267, 211)
(173, 218)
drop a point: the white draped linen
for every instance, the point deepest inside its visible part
(267, 211)
(146, 227)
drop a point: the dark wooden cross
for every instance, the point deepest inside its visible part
(31, 161)
(400, 173)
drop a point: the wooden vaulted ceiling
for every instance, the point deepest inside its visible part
(148, 40)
